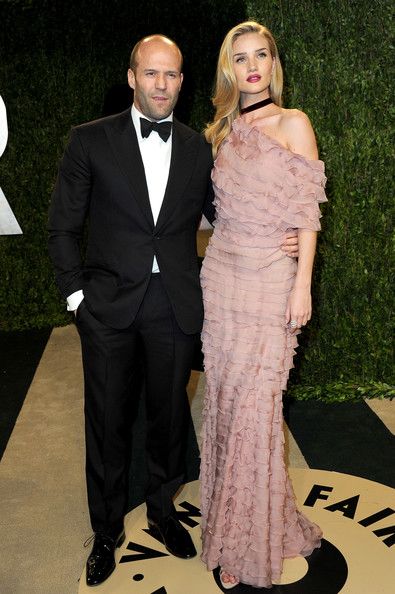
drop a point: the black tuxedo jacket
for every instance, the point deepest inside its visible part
(101, 178)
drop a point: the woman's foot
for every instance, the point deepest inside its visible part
(227, 580)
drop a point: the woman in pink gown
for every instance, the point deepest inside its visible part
(267, 180)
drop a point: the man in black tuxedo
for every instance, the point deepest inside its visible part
(142, 179)
(143, 189)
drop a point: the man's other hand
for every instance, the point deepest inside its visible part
(291, 244)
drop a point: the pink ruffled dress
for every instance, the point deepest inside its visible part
(250, 522)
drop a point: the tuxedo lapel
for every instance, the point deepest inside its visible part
(123, 140)
(183, 158)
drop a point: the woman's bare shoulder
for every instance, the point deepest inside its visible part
(298, 131)
(295, 120)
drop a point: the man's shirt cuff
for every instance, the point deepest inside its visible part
(74, 300)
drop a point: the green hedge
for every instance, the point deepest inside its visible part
(59, 59)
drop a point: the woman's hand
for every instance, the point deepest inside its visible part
(298, 311)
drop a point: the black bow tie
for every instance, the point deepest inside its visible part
(162, 128)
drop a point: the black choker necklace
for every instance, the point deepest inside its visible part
(256, 105)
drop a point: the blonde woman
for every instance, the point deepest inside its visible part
(267, 180)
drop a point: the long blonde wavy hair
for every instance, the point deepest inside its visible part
(226, 98)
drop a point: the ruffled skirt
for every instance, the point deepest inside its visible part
(249, 518)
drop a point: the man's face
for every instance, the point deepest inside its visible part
(156, 79)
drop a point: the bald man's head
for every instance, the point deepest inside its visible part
(150, 41)
(155, 76)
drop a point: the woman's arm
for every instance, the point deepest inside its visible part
(299, 301)
(301, 140)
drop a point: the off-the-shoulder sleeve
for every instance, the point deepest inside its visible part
(305, 188)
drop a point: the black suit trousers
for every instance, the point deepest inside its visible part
(112, 361)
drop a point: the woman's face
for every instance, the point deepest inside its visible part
(253, 64)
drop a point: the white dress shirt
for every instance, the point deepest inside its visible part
(156, 155)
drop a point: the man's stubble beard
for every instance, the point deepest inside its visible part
(149, 110)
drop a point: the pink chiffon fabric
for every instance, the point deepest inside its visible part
(250, 522)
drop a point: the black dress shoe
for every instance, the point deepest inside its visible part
(174, 536)
(101, 561)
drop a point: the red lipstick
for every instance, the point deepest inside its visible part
(253, 78)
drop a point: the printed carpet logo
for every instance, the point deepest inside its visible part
(356, 555)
